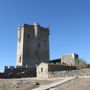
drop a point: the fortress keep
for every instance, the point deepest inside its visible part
(33, 45)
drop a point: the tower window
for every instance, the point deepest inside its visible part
(39, 45)
(20, 59)
(41, 69)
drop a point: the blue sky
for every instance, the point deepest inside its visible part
(68, 20)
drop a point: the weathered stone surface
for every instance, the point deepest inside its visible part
(33, 45)
(44, 69)
(69, 59)
(83, 72)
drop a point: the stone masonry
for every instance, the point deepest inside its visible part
(69, 59)
(44, 69)
(33, 45)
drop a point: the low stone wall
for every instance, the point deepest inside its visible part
(83, 72)
(58, 67)
(19, 72)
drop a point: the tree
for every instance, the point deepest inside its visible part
(80, 63)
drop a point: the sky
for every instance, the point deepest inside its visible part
(68, 21)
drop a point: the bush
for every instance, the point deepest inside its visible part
(80, 63)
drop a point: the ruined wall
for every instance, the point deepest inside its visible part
(17, 72)
(69, 59)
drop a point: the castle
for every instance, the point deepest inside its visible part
(33, 45)
(33, 54)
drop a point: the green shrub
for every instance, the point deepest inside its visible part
(80, 63)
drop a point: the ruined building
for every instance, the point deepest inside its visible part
(33, 45)
(70, 59)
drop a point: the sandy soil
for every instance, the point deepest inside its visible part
(30, 83)
(24, 83)
(77, 84)
(16, 84)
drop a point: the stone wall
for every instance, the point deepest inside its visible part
(69, 59)
(17, 72)
(44, 70)
(83, 72)
(59, 67)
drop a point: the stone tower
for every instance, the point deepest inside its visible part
(33, 45)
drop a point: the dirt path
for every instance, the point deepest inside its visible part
(77, 84)
(29, 84)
